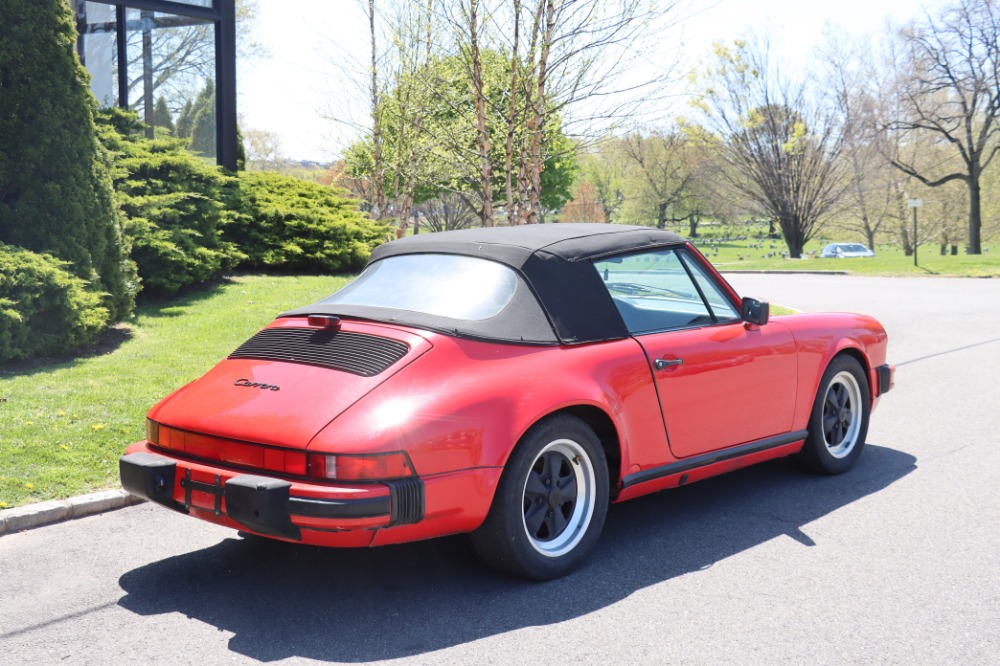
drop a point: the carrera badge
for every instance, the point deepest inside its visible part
(249, 384)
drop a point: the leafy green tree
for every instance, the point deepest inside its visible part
(442, 156)
(662, 175)
(604, 167)
(55, 189)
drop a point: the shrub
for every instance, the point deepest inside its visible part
(174, 204)
(55, 191)
(44, 309)
(290, 224)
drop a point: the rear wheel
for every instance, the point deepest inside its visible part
(550, 504)
(839, 421)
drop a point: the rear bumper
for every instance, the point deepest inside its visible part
(267, 505)
(318, 514)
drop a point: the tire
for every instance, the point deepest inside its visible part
(838, 424)
(550, 504)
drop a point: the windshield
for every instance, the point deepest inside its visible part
(444, 285)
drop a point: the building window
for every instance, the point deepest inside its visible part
(170, 61)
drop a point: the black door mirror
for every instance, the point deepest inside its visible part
(753, 311)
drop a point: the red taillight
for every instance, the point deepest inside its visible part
(367, 467)
(244, 454)
(152, 431)
(324, 321)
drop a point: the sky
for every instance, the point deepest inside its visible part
(302, 81)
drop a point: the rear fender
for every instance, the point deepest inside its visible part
(465, 404)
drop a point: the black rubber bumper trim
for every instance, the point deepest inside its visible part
(261, 503)
(371, 507)
(407, 497)
(151, 477)
(712, 458)
(884, 378)
(264, 504)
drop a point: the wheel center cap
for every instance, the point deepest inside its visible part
(555, 497)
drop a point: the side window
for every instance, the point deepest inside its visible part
(653, 291)
(717, 301)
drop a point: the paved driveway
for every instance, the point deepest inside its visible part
(896, 562)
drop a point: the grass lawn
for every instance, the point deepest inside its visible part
(64, 423)
(751, 255)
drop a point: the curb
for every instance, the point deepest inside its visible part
(55, 511)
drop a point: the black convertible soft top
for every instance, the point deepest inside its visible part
(561, 300)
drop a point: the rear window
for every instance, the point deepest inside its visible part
(443, 285)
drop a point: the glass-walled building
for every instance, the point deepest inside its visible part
(171, 61)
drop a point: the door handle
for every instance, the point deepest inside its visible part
(662, 363)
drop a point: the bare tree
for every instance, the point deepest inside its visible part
(584, 206)
(861, 94)
(479, 97)
(512, 110)
(378, 172)
(781, 145)
(660, 163)
(953, 95)
(412, 35)
(577, 70)
(447, 213)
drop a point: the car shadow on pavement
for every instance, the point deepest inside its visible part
(282, 600)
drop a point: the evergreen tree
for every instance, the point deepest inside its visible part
(162, 117)
(241, 151)
(185, 119)
(203, 124)
(55, 186)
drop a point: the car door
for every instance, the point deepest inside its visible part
(721, 382)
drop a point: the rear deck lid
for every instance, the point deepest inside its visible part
(290, 380)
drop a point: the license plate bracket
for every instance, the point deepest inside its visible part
(215, 489)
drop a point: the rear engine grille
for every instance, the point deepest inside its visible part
(357, 353)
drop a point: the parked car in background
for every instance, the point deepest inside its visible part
(510, 383)
(845, 251)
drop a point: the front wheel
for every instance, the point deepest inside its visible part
(550, 504)
(839, 421)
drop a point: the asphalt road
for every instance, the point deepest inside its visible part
(895, 562)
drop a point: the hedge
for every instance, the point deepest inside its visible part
(44, 308)
(284, 223)
(175, 206)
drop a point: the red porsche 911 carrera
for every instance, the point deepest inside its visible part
(510, 383)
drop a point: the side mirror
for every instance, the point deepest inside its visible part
(753, 311)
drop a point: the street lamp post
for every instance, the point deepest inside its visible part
(914, 204)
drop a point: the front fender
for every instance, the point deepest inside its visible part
(821, 337)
